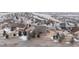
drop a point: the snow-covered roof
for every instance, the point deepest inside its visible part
(38, 18)
(47, 16)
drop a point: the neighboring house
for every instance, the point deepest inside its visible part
(40, 28)
(65, 25)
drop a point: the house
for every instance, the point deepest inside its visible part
(67, 26)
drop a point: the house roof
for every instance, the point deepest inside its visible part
(47, 17)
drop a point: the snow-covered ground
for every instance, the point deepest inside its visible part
(24, 38)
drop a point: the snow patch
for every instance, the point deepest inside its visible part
(7, 30)
(24, 38)
(76, 40)
(55, 40)
(67, 42)
(51, 38)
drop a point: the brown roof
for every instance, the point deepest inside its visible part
(74, 29)
(17, 25)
